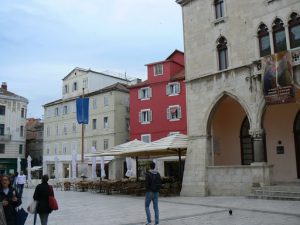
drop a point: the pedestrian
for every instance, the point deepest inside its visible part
(21, 180)
(41, 195)
(10, 200)
(153, 185)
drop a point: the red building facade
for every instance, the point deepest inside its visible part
(158, 105)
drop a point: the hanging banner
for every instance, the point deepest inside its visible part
(82, 110)
(277, 72)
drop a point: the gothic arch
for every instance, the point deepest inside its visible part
(213, 106)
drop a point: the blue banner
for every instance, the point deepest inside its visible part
(82, 110)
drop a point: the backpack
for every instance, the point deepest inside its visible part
(155, 182)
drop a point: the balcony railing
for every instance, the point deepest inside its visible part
(5, 137)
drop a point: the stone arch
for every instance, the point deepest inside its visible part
(214, 105)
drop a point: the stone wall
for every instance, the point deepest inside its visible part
(237, 180)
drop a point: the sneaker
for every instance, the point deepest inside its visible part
(147, 223)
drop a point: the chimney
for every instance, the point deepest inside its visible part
(4, 86)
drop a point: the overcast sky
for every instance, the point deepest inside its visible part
(41, 41)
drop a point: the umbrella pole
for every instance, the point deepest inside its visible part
(137, 168)
(180, 165)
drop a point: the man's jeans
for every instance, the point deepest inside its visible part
(152, 196)
(20, 189)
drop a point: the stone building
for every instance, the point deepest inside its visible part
(13, 110)
(108, 120)
(243, 126)
(34, 140)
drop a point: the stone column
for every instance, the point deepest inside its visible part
(194, 181)
(258, 145)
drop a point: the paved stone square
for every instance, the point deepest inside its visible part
(86, 208)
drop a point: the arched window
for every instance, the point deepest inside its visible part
(222, 53)
(264, 40)
(219, 8)
(294, 30)
(279, 36)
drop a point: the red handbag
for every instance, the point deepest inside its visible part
(52, 201)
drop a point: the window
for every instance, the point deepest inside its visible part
(74, 88)
(56, 111)
(219, 8)
(105, 122)
(279, 36)
(74, 128)
(264, 40)
(158, 69)
(94, 103)
(56, 129)
(222, 53)
(2, 110)
(64, 148)
(66, 89)
(48, 131)
(105, 100)
(85, 83)
(94, 143)
(21, 131)
(94, 124)
(20, 149)
(174, 112)
(294, 30)
(173, 88)
(2, 129)
(145, 93)
(65, 129)
(65, 110)
(145, 116)
(105, 144)
(22, 113)
(146, 138)
(127, 121)
(2, 148)
(48, 150)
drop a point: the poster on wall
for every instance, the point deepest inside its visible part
(296, 68)
(277, 74)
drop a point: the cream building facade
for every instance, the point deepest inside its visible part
(108, 120)
(13, 110)
(237, 140)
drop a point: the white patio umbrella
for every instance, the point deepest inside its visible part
(56, 167)
(74, 158)
(19, 165)
(29, 167)
(102, 168)
(94, 174)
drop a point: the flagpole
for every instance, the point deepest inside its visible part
(82, 130)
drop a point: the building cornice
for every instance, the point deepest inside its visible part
(183, 2)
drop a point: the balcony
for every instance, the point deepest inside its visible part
(5, 137)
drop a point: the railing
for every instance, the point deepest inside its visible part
(5, 137)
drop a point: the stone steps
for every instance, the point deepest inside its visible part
(289, 191)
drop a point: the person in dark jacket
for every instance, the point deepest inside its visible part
(41, 195)
(10, 201)
(152, 184)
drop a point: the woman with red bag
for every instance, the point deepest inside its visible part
(41, 195)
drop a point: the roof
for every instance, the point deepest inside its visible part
(11, 94)
(168, 59)
(92, 71)
(178, 76)
(173, 53)
(114, 87)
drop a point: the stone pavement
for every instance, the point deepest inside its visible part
(86, 208)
